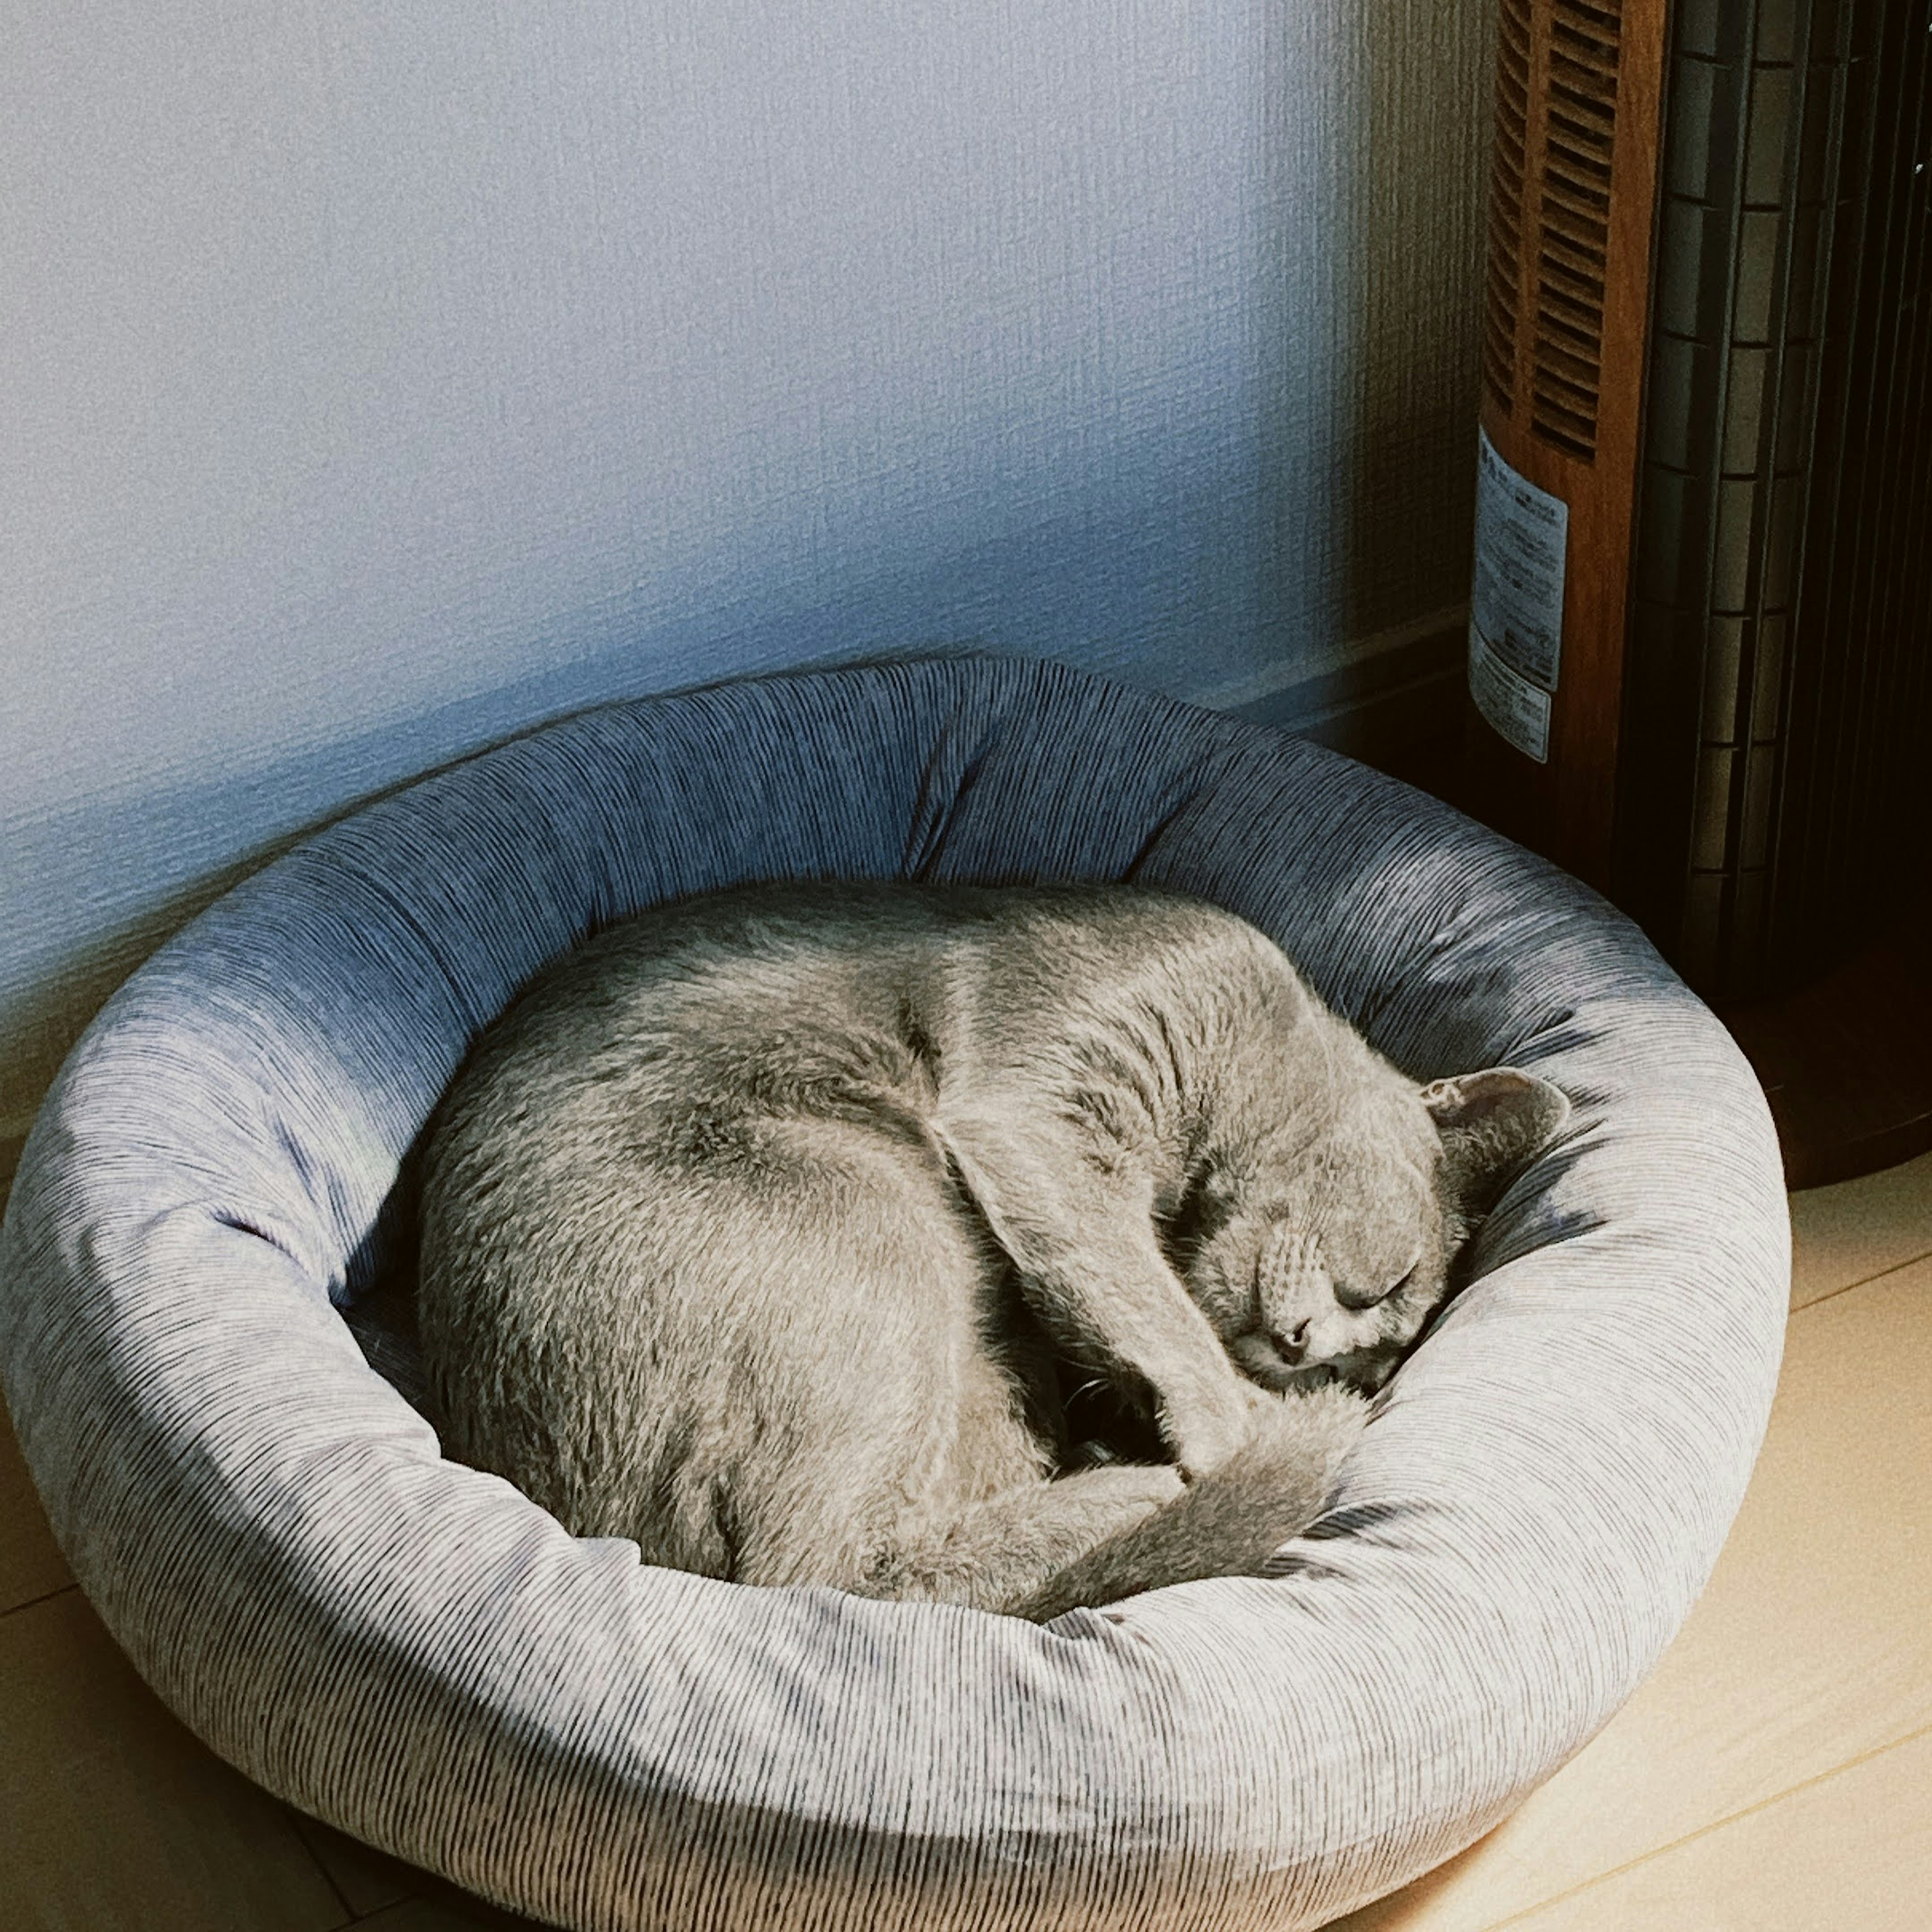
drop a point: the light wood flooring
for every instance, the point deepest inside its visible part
(1774, 1775)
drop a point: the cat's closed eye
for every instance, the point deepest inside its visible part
(1357, 1295)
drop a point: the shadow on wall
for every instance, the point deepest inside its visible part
(184, 836)
(1153, 352)
(1396, 147)
(1419, 169)
(1414, 152)
(94, 886)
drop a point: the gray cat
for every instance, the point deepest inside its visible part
(756, 1228)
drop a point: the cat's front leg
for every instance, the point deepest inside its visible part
(1119, 1302)
(1081, 1237)
(1203, 1423)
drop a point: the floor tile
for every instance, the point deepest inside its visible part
(1811, 1646)
(1859, 1229)
(417, 1915)
(1853, 1850)
(375, 1884)
(384, 1891)
(446, 1912)
(31, 1565)
(113, 1818)
(367, 1879)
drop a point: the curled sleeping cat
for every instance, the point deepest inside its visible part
(756, 1228)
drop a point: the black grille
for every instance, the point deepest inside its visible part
(1777, 724)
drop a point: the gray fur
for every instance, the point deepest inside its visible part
(752, 1230)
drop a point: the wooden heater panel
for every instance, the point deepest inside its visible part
(1572, 191)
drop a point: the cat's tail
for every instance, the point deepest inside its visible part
(1227, 1522)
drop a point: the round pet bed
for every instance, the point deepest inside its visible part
(414, 1652)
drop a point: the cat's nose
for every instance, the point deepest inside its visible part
(1291, 1345)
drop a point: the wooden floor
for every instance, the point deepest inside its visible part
(1775, 1775)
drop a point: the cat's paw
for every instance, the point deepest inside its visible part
(1207, 1426)
(1312, 1429)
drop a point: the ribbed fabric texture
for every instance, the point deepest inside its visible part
(415, 1653)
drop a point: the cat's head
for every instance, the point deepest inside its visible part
(1320, 1260)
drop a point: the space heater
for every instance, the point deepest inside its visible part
(1700, 639)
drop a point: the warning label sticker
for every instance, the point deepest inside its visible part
(1508, 699)
(1522, 536)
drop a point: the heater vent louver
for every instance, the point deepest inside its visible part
(1573, 231)
(1509, 153)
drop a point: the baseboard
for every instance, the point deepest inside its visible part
(1375, 700)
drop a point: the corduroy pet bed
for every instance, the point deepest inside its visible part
(414, 1652)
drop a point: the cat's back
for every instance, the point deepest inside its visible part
(794, 998)
(708, 995)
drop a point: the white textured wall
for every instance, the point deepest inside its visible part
(377, 378)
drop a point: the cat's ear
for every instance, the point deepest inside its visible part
(1491, 1123)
